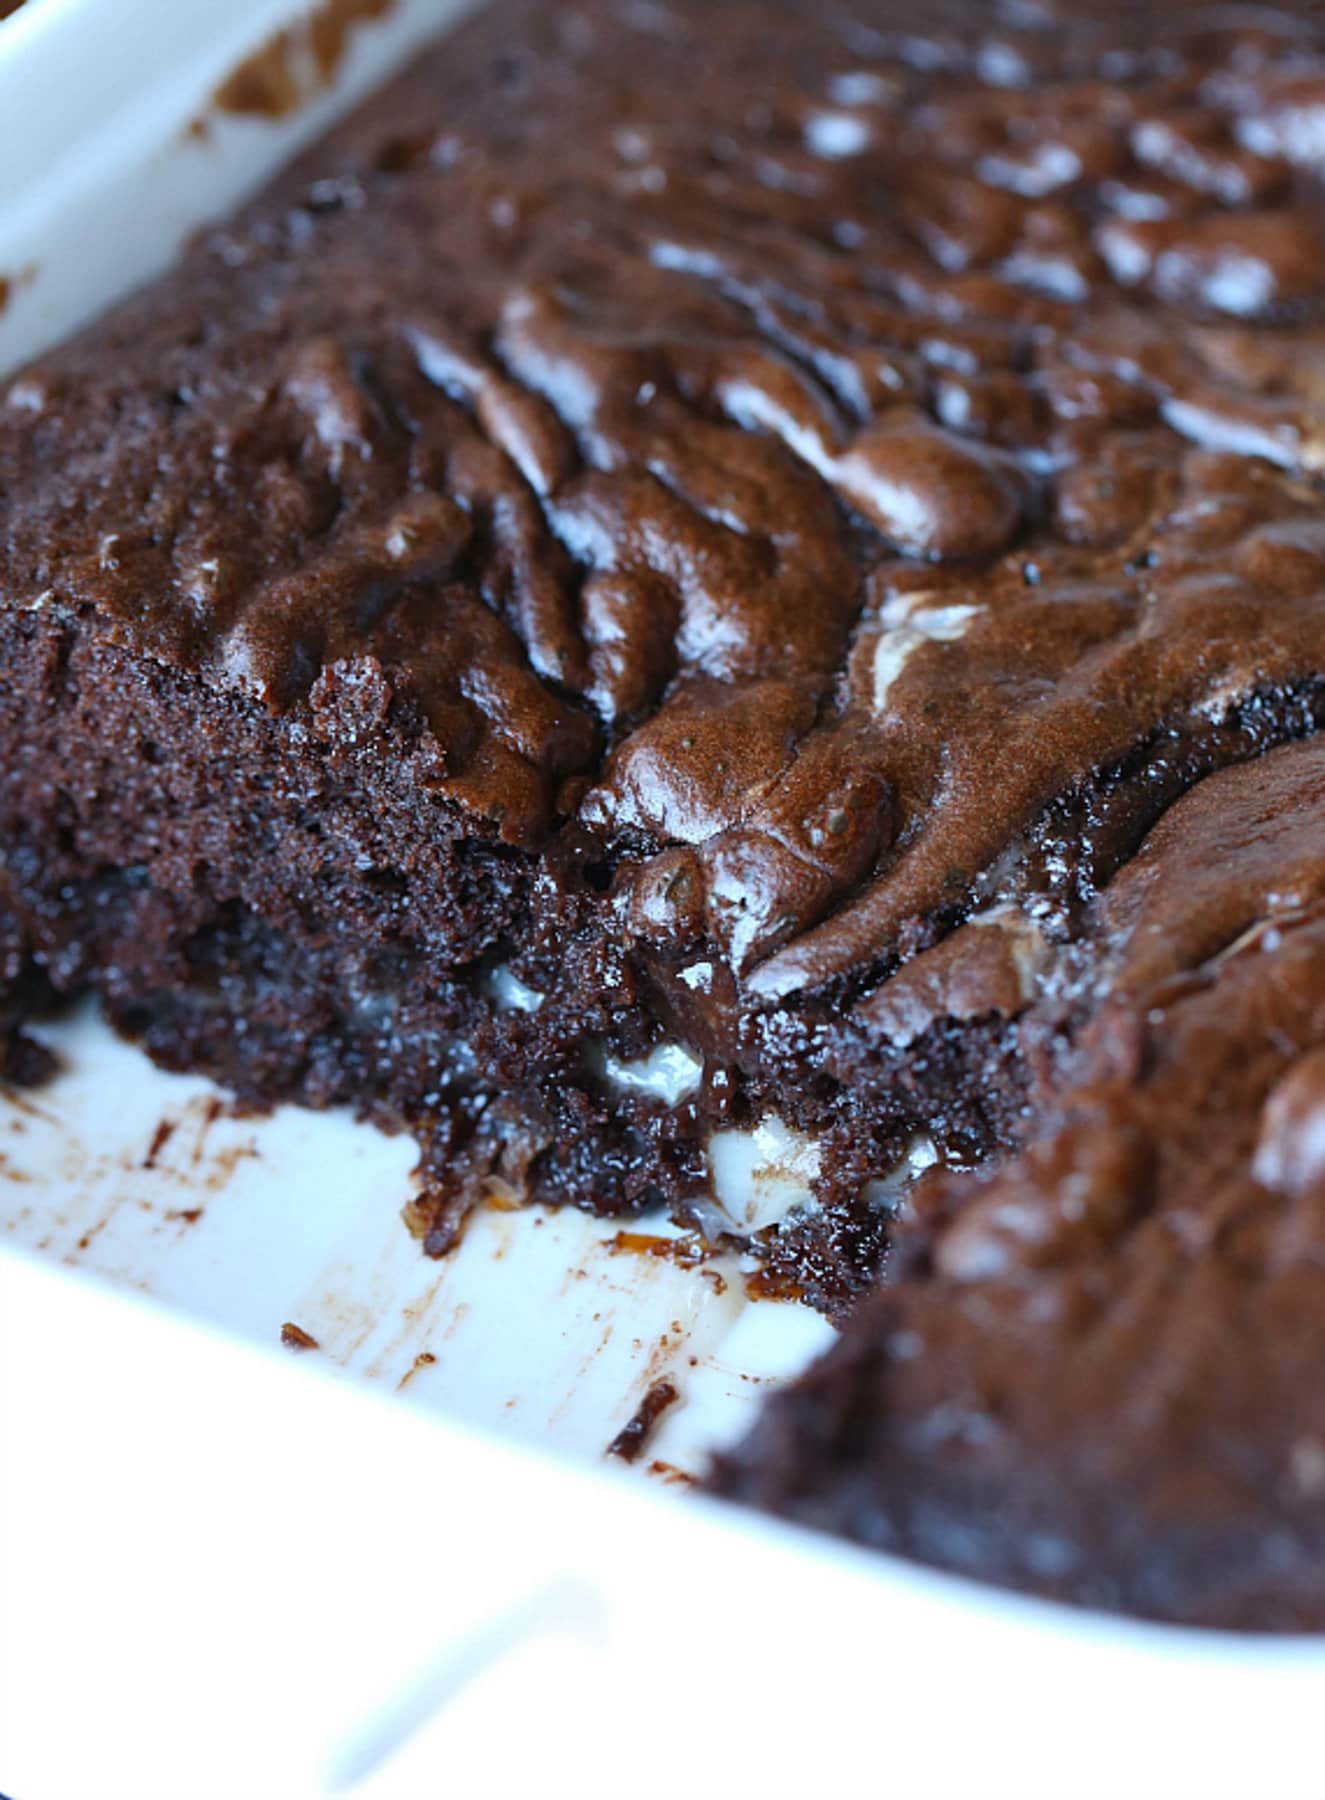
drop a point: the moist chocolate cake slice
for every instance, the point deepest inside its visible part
(1094, 1371)
(644, 589)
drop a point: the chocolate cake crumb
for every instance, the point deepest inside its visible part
(636, 1432)
(294, 1337)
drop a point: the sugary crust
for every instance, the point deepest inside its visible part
(762, 433)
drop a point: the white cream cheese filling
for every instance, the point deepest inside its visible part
(1031, 954)
(909, 622)
(510, 993)
(668, 1073)
(886, 1192)
(762, 1177)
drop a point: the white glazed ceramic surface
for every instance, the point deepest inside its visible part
(223, 1576)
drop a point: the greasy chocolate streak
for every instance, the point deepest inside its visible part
(165, 1130)
(274, 80)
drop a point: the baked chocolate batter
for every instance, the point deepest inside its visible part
(730, 525)
(1093, 1372)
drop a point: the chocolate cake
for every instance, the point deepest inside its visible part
(697, 570)
(1093, 1369)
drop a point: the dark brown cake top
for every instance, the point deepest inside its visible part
(797, 443)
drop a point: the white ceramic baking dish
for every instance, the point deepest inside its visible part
(222, 1573)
